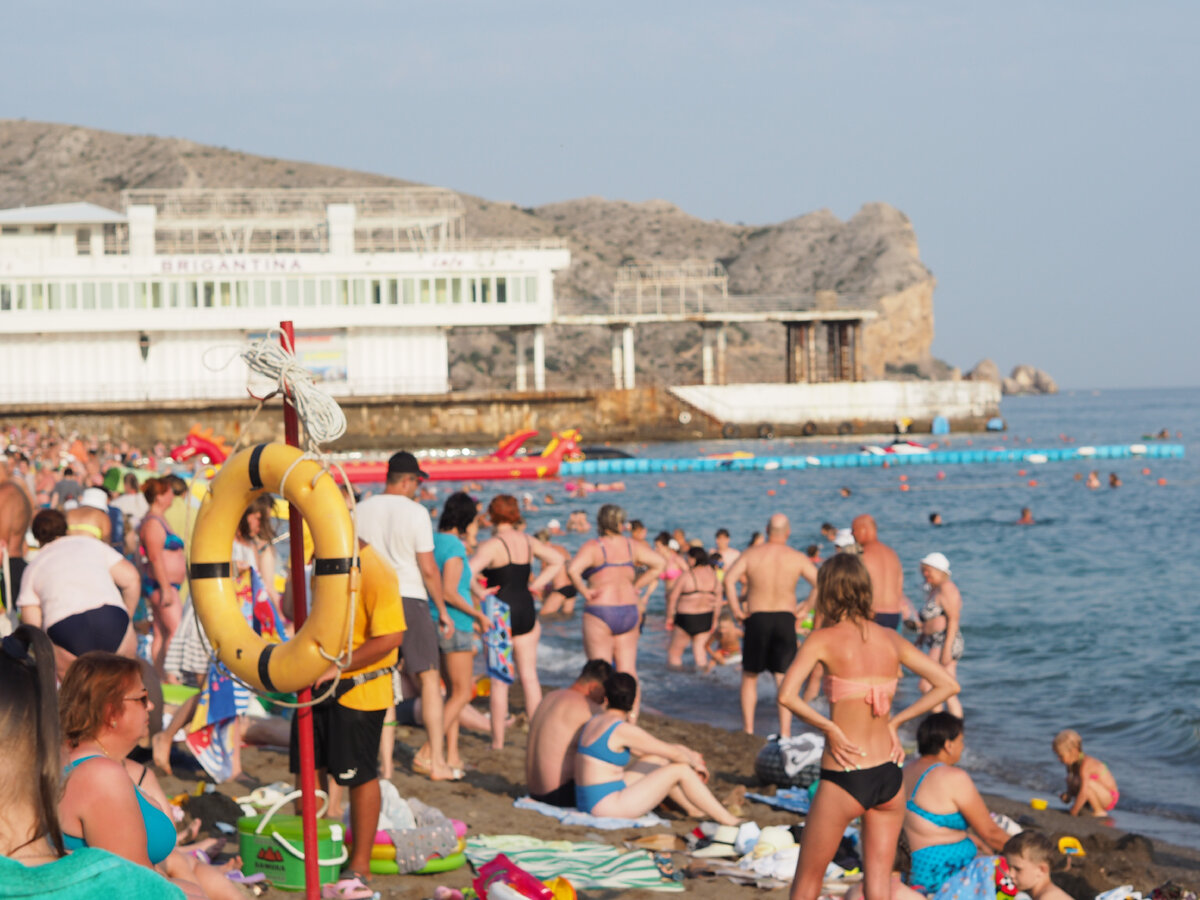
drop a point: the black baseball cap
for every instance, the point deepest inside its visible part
(404, 463)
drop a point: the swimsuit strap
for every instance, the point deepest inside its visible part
(507, 552)
(878, 696)
(917, 786)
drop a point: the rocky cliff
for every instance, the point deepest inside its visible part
(871, 260)
(1024, 379)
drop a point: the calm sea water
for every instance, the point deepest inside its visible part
(1087, 620)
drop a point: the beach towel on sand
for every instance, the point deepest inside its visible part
(794, 800)
(575, 817)
(586, 866)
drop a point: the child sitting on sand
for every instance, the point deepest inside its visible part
(1088, 780)
(725, 646)
(1029, 856)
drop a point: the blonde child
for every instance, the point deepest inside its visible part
(1088, 780)
(1029, 856)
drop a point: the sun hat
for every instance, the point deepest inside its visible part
(94, 497)
(937, 561)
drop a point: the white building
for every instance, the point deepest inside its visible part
(153, 302)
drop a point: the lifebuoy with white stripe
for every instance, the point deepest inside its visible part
(278, 469)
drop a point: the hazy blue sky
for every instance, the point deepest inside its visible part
(1045, 152)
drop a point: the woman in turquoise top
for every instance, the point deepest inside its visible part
(32, 860)
(457, 530)
(942, 802)
(105, 710)
(605, 785)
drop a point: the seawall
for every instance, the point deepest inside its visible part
(482, 418)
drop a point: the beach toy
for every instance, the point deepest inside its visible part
(178, 694)
(1070, 846)
(483, 686)
(1038, 803)
(561, 888)
(435, 866)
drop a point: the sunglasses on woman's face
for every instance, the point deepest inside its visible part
(143, 699)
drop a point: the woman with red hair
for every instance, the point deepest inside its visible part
(505, 561)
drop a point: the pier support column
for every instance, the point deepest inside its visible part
(522, 338)
(627, 354)
(539, 358)
(706, 354)
(721, 347)
(617, 361)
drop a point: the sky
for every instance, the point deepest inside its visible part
(1044, 151)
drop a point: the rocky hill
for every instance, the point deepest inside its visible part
(871, 260)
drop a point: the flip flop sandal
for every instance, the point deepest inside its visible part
(352, 887)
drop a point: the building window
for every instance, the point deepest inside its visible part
(426, 291)
(531, 289)
(501, 289)
(326, 292)
(123, 296)
(88, 298)
(406, 291)
(83, 242)
(292, 297)
(6, 298)
(276, 293)
(70, 296)
(106, 295)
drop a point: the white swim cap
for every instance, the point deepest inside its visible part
(844, 538)
(937, 561)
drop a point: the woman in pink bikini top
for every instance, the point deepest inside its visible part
(860, 769)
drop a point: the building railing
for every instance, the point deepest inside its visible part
(693, 305)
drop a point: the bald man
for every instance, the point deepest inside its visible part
(772, 570)
(887, 575)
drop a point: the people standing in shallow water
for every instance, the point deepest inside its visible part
(772, 571)
(692, 606)
(860, 771)
(1089, 783)
(941, 621)
(887, 575)
(614, 596)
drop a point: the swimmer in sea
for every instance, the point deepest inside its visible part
(845, 492)
(725, 646)
(1114, 480)
(935, 518)
(1026, 516)
(1093, 480)
(828, 531)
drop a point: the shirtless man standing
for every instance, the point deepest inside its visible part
(771, 570)
(554, 733)
(729, 555)
(887, 575)
(16, 512)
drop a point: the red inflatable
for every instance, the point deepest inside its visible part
(201, 442)
(480, 468)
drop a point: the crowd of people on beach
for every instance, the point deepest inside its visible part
(97, 620)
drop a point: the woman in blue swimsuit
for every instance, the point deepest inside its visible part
(613, 594)
(942, 802)
(105, 711)
(605, 786)
(165, 567)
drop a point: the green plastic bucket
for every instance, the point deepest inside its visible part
(274, 845)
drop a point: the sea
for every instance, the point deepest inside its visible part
(1088, 619)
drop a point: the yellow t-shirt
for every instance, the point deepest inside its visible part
(380, 611)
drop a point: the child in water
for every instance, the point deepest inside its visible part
(1029, 856)
(1088, 780)
(725, 646)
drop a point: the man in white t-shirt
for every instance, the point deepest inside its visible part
(401, 532)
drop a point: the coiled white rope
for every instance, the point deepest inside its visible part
(324, 421)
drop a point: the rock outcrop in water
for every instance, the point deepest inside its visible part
(1023, 380)
(871, 260)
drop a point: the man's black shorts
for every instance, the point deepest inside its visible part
(770, 642)
(345, 741)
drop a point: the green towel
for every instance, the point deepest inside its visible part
(586, 866)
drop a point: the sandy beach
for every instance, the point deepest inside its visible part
(484, 801)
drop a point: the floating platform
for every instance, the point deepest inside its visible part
(865, 460)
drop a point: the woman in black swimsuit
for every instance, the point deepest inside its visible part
(860, 768)
(505, 561)
(692, 607)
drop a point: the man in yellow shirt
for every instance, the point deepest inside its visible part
(347, 726)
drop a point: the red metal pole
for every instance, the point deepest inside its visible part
(307, 775)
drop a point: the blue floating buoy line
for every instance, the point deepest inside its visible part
(637, 465)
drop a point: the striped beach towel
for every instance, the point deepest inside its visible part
(586, 866)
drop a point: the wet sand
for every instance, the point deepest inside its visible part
(484, 801)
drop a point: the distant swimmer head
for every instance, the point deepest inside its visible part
(936, 561)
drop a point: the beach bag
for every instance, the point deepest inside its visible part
(790, 762)
(497, 640)
(503, 879)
